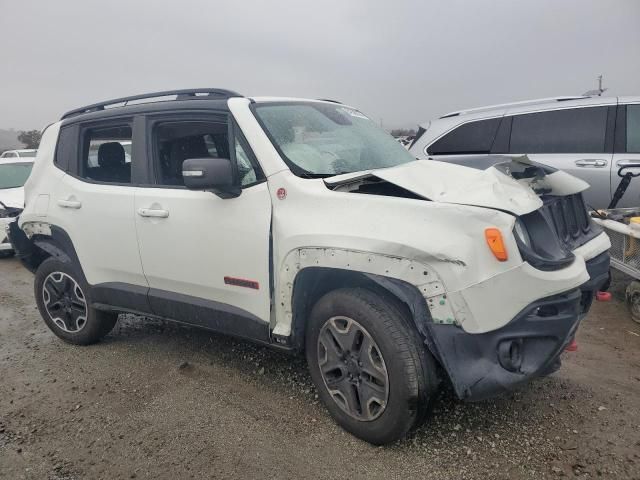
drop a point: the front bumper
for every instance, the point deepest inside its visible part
(487, 364)
(492, 303)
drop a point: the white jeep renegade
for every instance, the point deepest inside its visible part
(301, 225)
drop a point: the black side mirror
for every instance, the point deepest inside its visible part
(214, 174)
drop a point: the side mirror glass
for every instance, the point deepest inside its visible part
(213, 174)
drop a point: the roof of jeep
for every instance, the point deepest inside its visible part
(192, 99)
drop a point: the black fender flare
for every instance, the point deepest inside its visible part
(402, 291)
(415, 302)
(32, 252)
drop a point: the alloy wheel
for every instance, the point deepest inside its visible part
(353, 369)
(65, 302)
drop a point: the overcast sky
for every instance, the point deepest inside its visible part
(402, 61)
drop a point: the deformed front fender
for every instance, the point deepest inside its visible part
(423, 277)
(415, 284)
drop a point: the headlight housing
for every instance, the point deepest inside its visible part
(521, 233)
(539, 243)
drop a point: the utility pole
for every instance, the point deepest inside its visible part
(598, 92)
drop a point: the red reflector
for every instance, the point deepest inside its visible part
(603, 296)
(242, 282)
(573, 346)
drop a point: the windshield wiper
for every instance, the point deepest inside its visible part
(315, 175)
(322, 175)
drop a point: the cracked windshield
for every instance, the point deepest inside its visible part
(320, 140)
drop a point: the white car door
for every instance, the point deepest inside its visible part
(201, 253)
(575, 140)
(94, 204)
(627, 152)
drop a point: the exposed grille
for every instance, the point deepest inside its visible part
(570, 219)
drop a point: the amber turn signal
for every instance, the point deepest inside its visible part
(496, 243)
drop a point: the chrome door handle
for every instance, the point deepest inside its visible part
(598, 163)
(151, 212)
(75, 204)
(628, 163)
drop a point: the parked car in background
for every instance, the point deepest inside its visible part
(405, 140)
(301, 225)
(10, 155)
(13, 176)
(589, 137)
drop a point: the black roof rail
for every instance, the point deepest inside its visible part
(328, 100)
(185, 94)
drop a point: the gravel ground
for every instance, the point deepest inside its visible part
(154, 400)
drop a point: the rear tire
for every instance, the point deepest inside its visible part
(63, 300)
(369, 364)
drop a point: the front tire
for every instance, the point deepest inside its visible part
(62, 299)
(369, 364)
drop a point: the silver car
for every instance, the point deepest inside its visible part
(589, 137)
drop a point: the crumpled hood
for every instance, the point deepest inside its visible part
(12, 197)
(450, 183)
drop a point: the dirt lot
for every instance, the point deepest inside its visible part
(159, 401)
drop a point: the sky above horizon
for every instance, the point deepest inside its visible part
(401, 62)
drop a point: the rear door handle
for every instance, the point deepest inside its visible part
(597, 163)
(75, 204)
(152, 212)
(628, 163)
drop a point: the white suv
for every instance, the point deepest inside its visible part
(300, 225)
(589, 137)
(13, 176)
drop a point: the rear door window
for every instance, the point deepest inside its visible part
(470, 138)
(106, 154)
(575, 130)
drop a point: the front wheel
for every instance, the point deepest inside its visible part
(370, 366)
(61, 296)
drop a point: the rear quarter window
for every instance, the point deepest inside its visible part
(66, 148)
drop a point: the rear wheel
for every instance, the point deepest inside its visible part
(61, 296)
(369, 365)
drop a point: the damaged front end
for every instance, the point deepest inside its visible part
(509, 326)
(486, 364)
(547, 237)
(531, 344)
